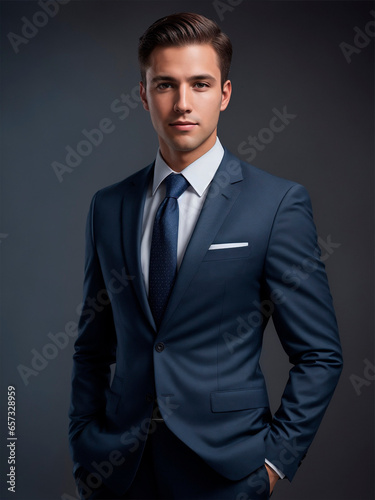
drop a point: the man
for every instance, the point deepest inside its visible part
(191, 256)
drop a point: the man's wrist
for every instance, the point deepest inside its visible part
(275, 469)
(273, 477)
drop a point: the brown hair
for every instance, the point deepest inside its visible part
(181, 29)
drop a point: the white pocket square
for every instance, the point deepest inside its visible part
(222, 246)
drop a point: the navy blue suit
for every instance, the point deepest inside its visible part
(203, 363)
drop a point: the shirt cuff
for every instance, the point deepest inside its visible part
(273, 467)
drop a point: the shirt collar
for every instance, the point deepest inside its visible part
(199, 174)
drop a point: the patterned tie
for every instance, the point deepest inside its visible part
(163, 255)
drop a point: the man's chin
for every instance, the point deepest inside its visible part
(186, 145)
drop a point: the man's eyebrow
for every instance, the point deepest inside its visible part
(167, 78)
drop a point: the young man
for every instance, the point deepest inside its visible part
(191, 256)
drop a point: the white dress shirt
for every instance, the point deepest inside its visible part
(199, 174)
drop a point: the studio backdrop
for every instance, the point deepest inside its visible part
(72, 122)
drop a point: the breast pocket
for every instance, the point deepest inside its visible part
(227, 253)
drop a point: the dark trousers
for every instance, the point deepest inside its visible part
(170, 470)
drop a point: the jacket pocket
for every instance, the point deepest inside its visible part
(238, 399)
(112, 402)
(114, 394)
(228, 253)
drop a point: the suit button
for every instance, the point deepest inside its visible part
(159, 347)
(149, 397)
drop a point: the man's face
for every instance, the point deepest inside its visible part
(185, 97)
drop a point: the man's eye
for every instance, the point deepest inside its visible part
(163, 86)
(200, 85)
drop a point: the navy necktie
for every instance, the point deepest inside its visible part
(163, 255)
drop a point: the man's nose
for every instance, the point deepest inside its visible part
(182, 103)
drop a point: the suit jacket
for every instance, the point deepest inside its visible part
(203, 363)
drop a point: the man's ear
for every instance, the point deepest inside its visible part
(225, 95)
(142, 92)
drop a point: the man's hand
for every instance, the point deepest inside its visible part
(273, 477)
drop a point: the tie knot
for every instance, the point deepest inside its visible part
(175, 184)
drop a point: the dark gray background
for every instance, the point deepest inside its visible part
(65, 80)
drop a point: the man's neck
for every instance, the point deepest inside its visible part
(179, 160)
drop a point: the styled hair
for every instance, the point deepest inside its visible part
(185, 28)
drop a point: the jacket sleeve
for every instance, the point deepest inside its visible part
(305, 322)
(95, 347)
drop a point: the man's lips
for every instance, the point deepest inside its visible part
(180, 125)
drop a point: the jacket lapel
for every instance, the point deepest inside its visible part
(132, 214)
(221, 196)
